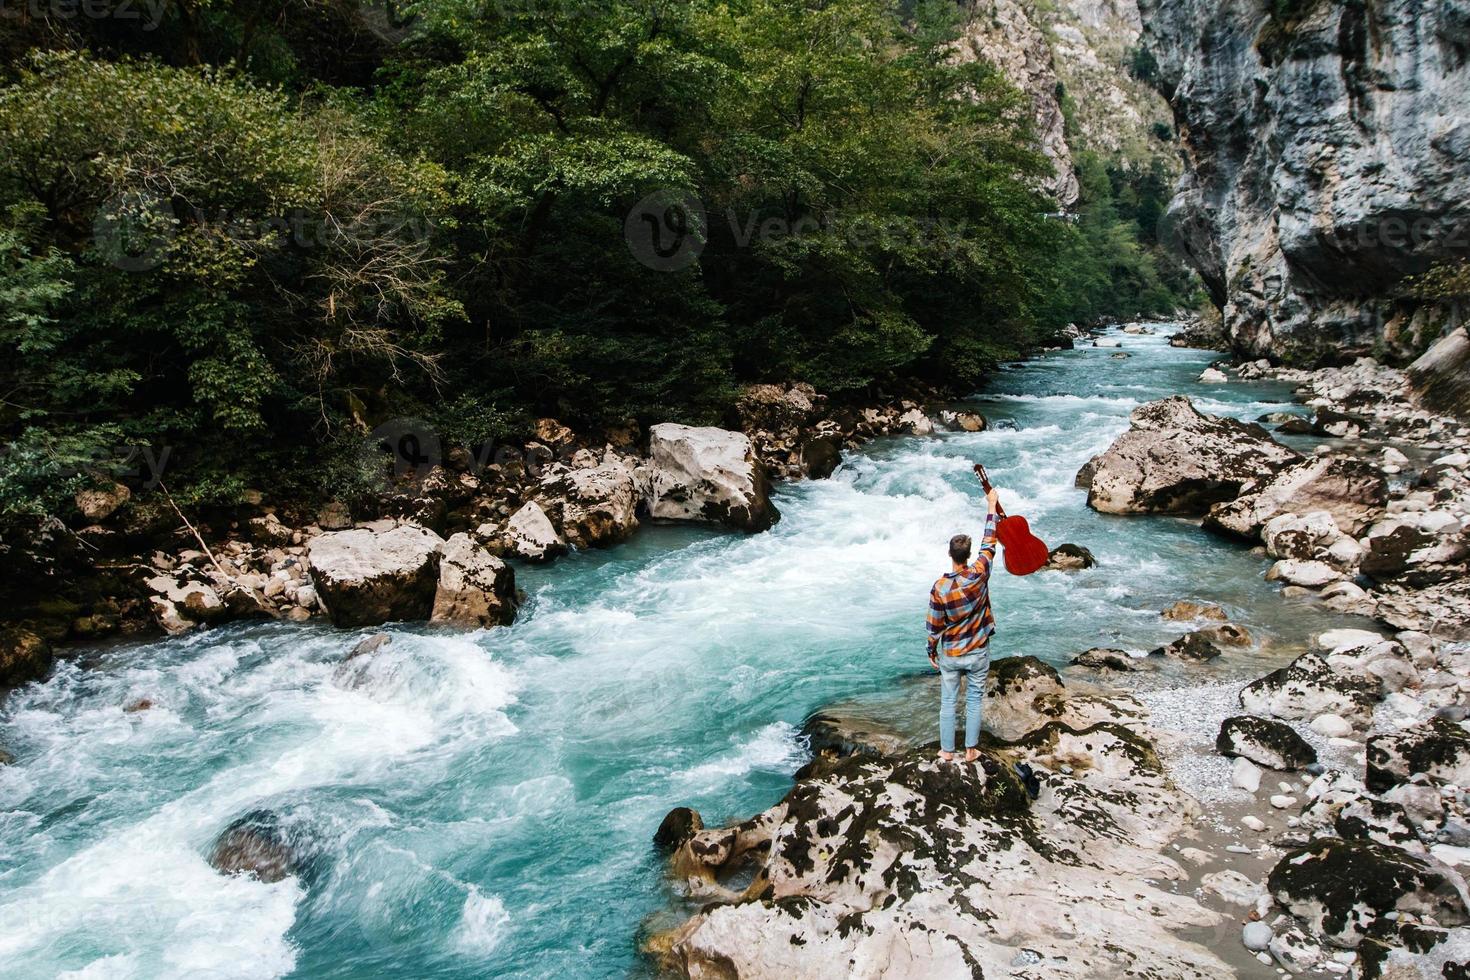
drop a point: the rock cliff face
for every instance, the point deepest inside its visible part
(1072, 53)
(1327, 157)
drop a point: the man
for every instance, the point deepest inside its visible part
(960, 626)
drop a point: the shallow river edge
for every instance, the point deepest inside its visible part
(1311, 820)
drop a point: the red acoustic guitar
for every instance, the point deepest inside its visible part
(1024, 551)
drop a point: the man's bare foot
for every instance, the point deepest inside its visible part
(946, 756)
(972, 755)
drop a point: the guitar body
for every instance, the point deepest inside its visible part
(1024, 551)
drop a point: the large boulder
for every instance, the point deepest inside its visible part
(1438, 748)
(593, 506)
(707, 474)
(1410, 555)
(1265, 742)
(529, 534)
(1441, 610)
(179, 606)
(1022, 694)
(1352, 491)
(1308, 687)
(1175, 460)
(905, 867)
(475, 587)
(24, 656)
(375, 574)
(1441, 376)
(1342, 888)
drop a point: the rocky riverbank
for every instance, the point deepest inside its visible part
(439, 538)
(1318, 812)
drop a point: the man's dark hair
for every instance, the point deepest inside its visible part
(959, 548)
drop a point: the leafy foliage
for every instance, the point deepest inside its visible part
(221, 240)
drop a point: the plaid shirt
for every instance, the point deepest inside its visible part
(960, 621)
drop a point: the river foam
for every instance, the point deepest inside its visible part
(481, 803)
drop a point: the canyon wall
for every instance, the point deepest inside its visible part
(1071, 59)
(1326, 150)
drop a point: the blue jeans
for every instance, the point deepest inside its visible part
(973, 666)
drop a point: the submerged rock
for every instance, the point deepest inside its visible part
(707, 474)
(376, 574)
(1069, 557)
(259, 845)
(1265, 742)
(1186, 609)
(1175, 460)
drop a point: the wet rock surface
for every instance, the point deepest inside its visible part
(263, 846)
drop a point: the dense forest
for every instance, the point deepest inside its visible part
(246, 233)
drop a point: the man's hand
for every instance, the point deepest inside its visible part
(992, 500)
(933, 659)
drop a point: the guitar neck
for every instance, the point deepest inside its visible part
(985, 484)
